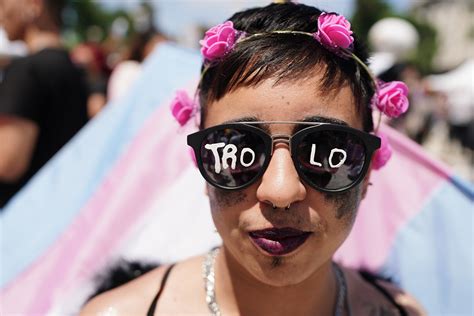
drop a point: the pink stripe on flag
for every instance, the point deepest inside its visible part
(391, 202)
(151, 162)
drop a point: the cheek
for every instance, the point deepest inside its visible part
(11, 14)
(221, 199)
(12, 24)
(225, 208)
(337, 212)
(345, 204)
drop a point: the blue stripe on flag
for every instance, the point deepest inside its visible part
(432, 257)
(42, 211)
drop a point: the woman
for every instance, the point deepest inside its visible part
(284, 145)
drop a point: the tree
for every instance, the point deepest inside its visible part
(367, 13)
(80, 16)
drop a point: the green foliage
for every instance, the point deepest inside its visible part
(81, 15)
(427, 46)
(368, 12)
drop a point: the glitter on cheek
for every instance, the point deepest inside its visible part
(225, 208)
(222, 198)
(346, 203)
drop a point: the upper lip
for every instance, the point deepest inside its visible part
(271, 233)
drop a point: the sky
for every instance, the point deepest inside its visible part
(176, 16)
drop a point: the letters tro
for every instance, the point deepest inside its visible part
(247, 156)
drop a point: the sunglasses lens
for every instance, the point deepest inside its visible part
(232, 157)
(331, 160)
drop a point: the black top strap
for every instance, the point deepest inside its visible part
(151, 309)
(372, 279)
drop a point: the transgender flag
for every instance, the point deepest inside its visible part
(126, 180)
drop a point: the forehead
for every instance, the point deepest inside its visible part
(288, 101)
(9, 7)
(11, 3)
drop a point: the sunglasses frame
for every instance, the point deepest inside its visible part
(371, 144)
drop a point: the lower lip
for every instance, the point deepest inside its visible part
(281, 246)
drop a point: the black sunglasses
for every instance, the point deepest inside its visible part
(328, 157)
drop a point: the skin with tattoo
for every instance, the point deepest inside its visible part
(250, 281)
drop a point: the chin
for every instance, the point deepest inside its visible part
(13, 36)
(282, 271)
(286, 277)
(285, 270)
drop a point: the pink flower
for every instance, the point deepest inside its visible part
(334, 31)
(218, 41)
(383, 154)
(182, 107)
(391, 98)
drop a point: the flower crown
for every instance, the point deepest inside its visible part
(335, 34)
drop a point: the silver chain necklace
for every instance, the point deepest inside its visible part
(210, 286)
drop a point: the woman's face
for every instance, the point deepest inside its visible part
(328, 217)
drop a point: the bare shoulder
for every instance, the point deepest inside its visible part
(411, 305)
(132, 298)
(184, 293)
(365, 298)
(181, 293)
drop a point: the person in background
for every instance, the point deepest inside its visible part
(91, 59)
(128, 70)
(42, 96)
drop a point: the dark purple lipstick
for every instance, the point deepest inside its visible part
(279, 241)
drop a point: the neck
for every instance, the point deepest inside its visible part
(37, 40)
(239, 292)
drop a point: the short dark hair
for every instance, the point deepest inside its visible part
(54, 8)
(285, 57)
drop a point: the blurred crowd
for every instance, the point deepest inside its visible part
(50, 87)
(48, 91)
(110, 68)
(441, 115)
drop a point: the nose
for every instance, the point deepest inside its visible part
(280, 185)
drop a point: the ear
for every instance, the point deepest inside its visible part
(206, 190)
